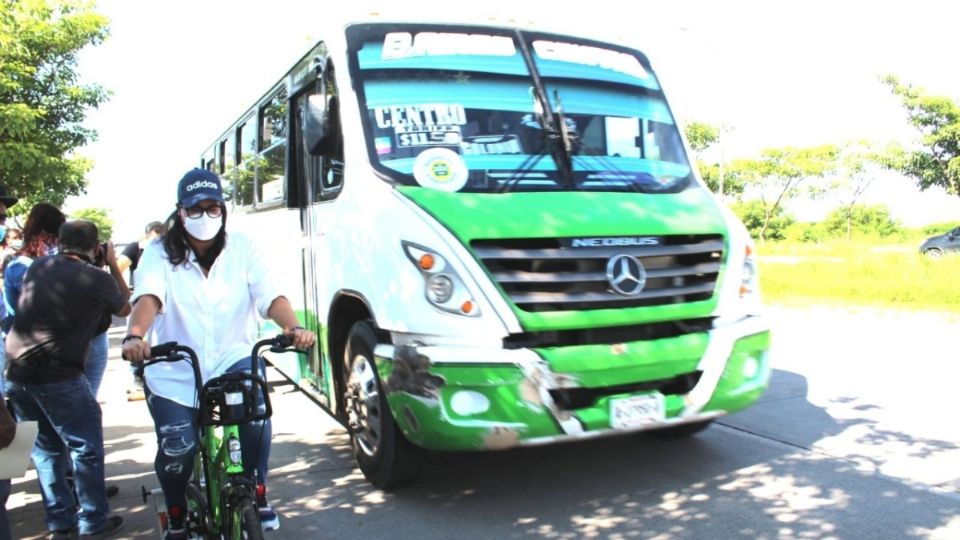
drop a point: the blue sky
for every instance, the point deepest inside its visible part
(777, 73)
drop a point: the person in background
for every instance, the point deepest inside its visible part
(8, 427)
(12, 242)
(187, 291)
(130, 256)
(129, 259)
(45, 377)
(14, 238)
(39, 239)
(6, 202)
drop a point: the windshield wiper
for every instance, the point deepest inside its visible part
(555, 134)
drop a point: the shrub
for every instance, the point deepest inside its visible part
(806, 233)
(939, 228)
(864, 220)
(752, 215)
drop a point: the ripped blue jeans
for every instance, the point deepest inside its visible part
(178, 437)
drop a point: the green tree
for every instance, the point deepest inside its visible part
(937, 119)
(871, 220)
(859, 165)
(701, 136)
(100, 218)
(42, 103)
(782, 174)
(760, 220)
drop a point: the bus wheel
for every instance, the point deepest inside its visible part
(386, 458)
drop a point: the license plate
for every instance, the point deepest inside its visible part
(635, 411)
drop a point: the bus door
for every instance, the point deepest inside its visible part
(321, 178)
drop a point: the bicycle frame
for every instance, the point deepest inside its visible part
(217, 467)
(218, 471)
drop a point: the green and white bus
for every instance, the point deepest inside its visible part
(501, 241)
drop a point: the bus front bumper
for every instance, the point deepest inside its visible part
(470, 398)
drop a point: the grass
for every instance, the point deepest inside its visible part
(858, 273)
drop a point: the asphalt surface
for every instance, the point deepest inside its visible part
(854, 439)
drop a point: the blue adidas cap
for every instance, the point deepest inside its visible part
(198, 185)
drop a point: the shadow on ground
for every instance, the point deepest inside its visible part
(772, 471)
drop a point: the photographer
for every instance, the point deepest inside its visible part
(45, 376)
(40, 239)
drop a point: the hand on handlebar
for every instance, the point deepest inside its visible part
(302, 339)
(135, 350)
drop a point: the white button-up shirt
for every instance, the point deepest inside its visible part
(215, 315)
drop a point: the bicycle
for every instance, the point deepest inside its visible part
(221, 498)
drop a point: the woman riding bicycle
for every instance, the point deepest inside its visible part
(203, 288)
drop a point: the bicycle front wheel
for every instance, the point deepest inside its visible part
(245, 520)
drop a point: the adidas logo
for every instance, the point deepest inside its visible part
(199, 184)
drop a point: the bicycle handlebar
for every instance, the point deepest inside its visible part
(164, 350)
(168, 352)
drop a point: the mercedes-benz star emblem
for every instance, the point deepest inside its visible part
(626, 274)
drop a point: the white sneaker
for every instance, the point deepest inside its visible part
(269, 520)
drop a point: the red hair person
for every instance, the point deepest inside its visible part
(39, 239)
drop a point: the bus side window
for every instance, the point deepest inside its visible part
(228, 163)
(331, 167)
(273, 148)
(208, 161)
(247, 166)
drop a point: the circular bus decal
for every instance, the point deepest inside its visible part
(440, 168)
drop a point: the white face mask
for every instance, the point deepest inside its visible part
(204, 227)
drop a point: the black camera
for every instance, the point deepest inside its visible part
(101, 258)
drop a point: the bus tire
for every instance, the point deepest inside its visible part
(682, 430)
(386, 458)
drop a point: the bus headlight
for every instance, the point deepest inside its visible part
(443, 287)
(439, 288)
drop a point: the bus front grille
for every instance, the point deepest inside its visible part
(549, 275)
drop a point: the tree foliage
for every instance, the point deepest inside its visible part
(934, 229)
(860, 164)
(782, 174)
(937, 119)
(701, 136)
(100, 218)
(869, 220)
(761, 221)
(42, 102)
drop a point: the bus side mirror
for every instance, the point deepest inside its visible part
(315, 124)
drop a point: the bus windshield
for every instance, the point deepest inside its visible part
(488, 110)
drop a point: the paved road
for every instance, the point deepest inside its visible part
(855, 439)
